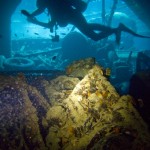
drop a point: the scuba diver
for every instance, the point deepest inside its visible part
(64, 12)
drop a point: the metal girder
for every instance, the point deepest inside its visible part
(141, 8)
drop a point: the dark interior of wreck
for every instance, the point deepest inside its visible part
(130, 76)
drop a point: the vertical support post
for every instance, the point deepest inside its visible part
(103, 12)
(114, 6)
(7, 8)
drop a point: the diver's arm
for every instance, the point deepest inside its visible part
(37, 12)
(33, 20)
(49, 25)
(41, 6)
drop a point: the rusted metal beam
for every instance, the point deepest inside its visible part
(141, 8)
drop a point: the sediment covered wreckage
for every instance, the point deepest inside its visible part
(79, 110)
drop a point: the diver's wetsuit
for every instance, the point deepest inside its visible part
(64, 12)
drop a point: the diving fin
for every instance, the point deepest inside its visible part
(124, 28)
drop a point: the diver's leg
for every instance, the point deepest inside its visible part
(88, 29)
(105, 31)
(100, 27)
(89, 32)
(82, 25)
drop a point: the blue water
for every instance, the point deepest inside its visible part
(35, 43)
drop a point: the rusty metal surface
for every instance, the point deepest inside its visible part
(141, 8)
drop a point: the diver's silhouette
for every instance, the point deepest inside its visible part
(64, 12)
